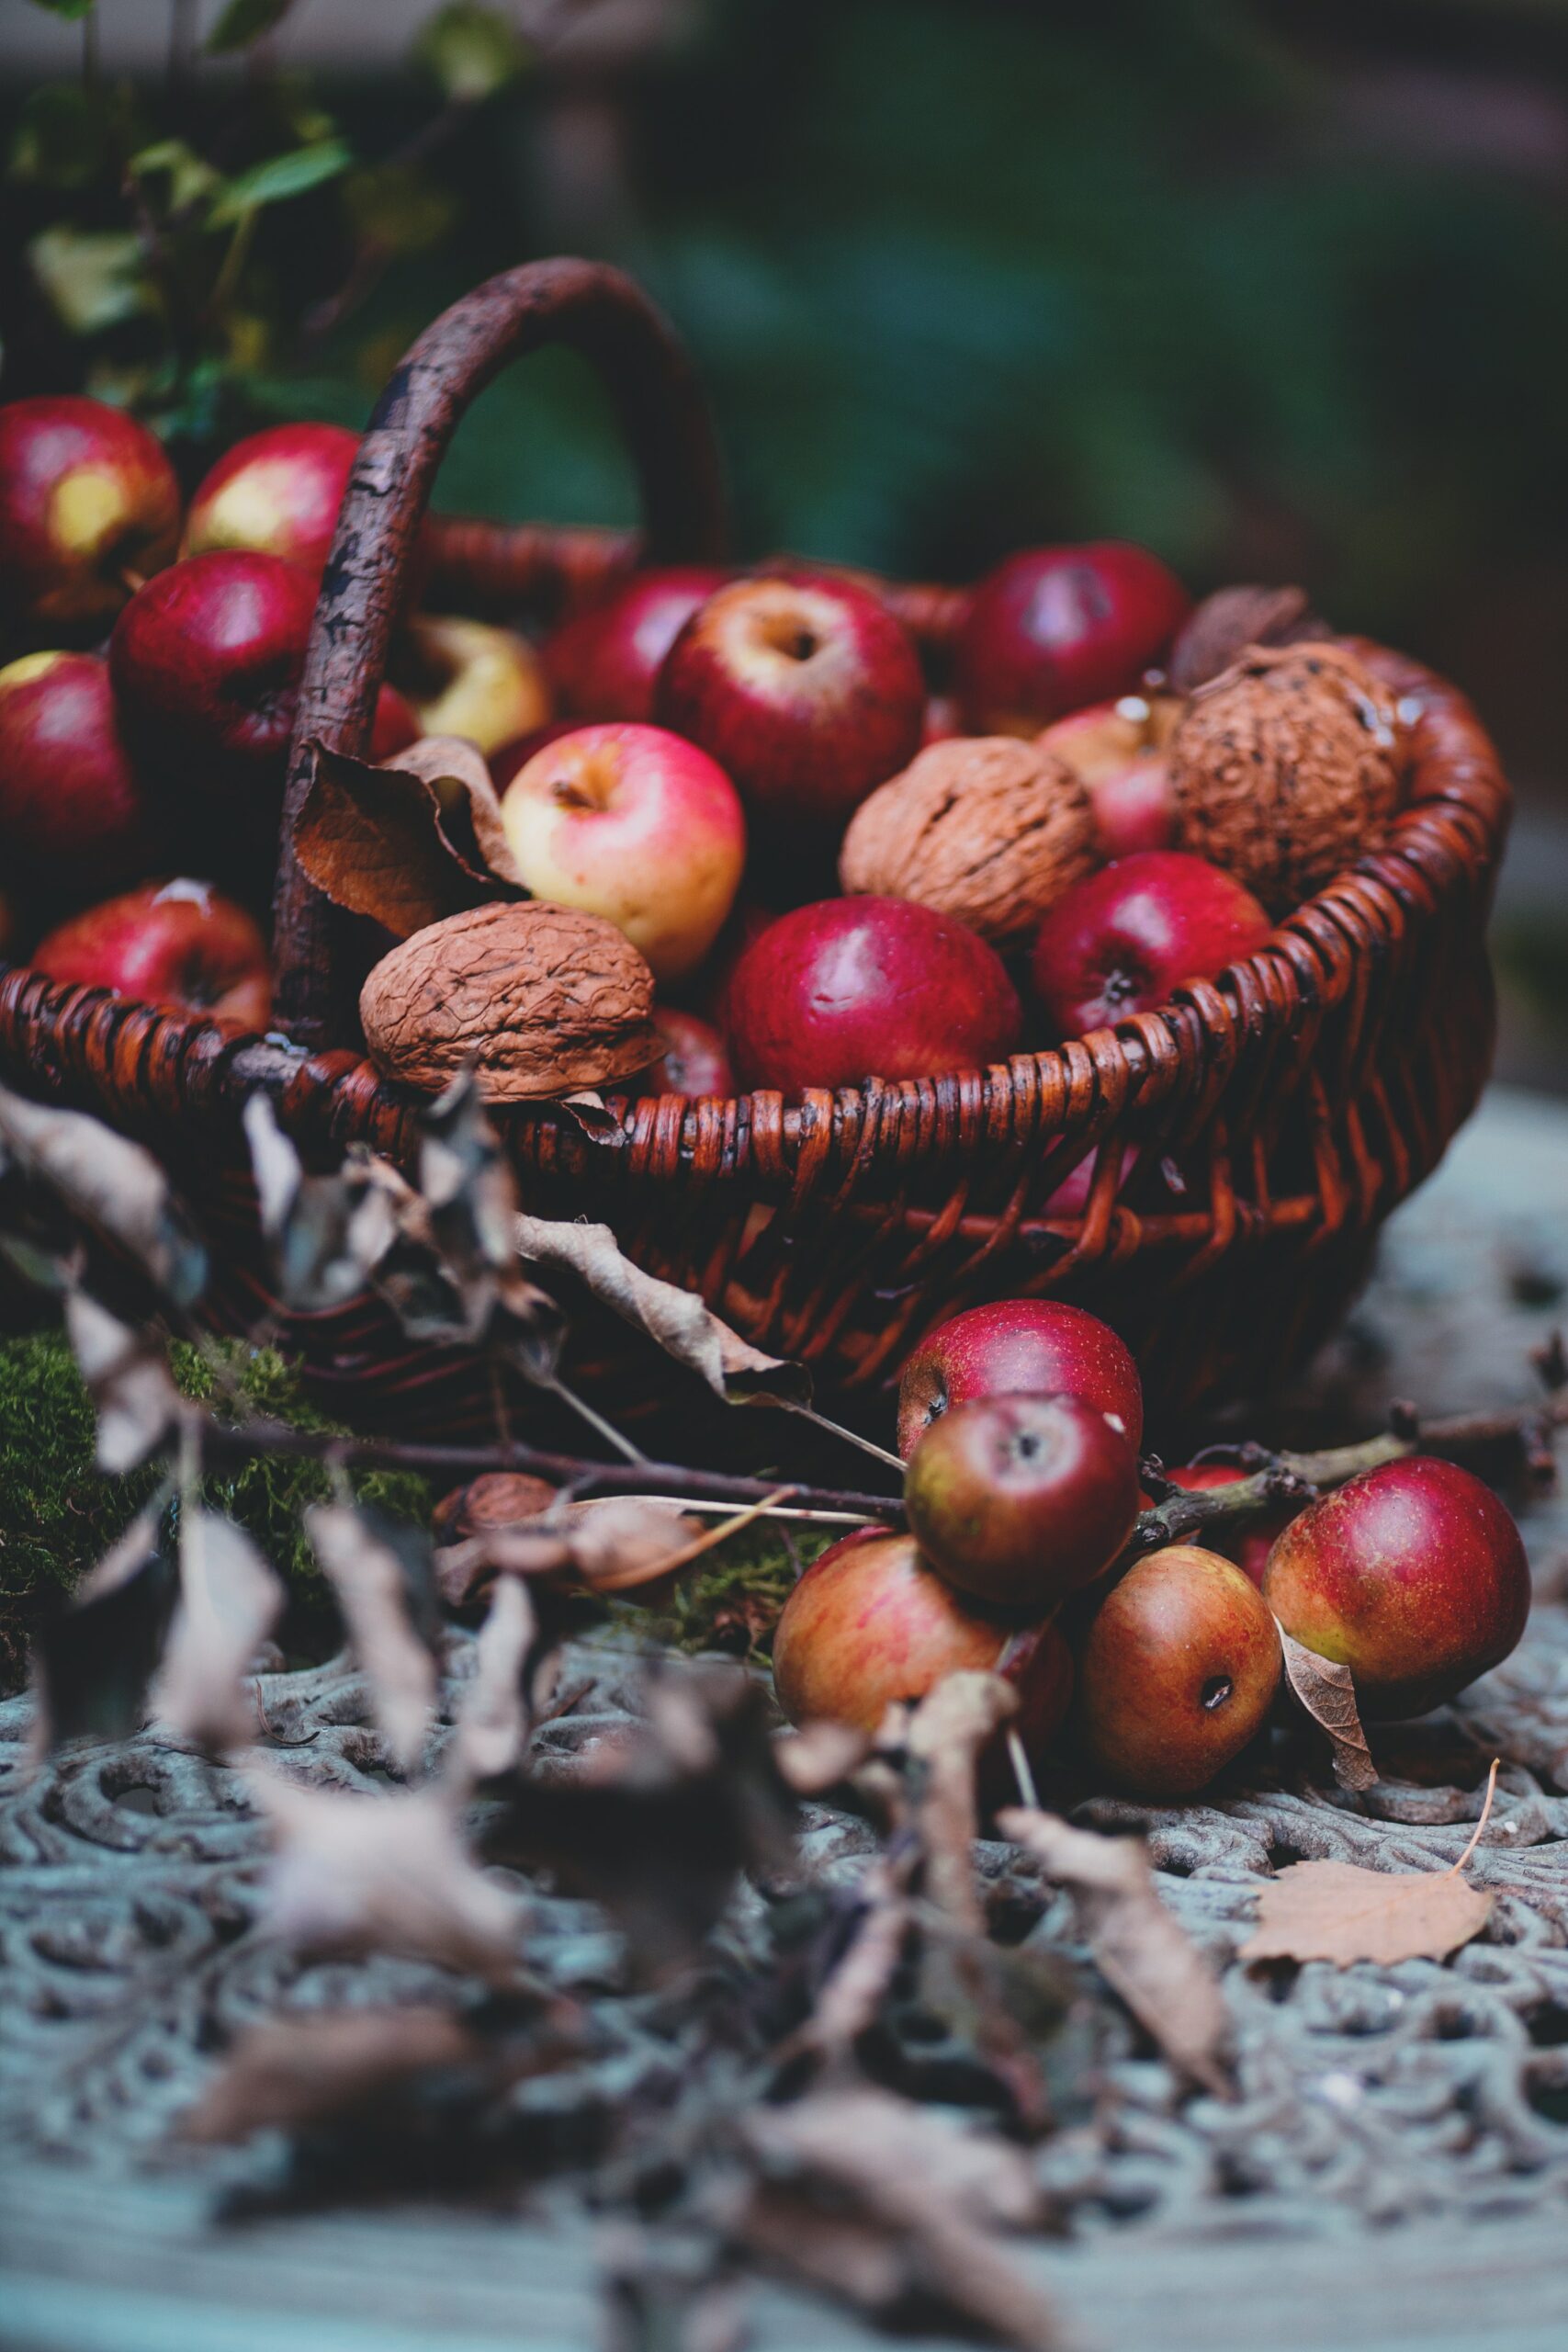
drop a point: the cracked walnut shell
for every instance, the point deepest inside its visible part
(986, 828)
(1286, 768)
(541, 1000)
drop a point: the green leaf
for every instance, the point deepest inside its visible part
(189, 178)
(94, 277)
(398, 207)
(59, 140)
(72, 10)
(471, 51)
(243, 21)
(279, 179)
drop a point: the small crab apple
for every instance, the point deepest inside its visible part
(278, 491)
(1177, 1673)
(393, 727)
(470, 678)
(1039, 1347)
(172, 942)
(847, 988)
(1413, 1576)
(1118, 750)
(89, 505)
(695, 1061)
(1248, 1546)
(637, 825)
(1121, 940)
(72, 817)
(1020, 1500)
(605, 662)
(1053, 629)
(805, 689)
(871, 1624)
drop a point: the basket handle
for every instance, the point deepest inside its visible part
(664, 421)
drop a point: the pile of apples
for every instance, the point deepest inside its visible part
(1019, 1424)
(681, 758)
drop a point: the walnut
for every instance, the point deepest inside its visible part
(540, 998)
(1286, 768)
(985, 827)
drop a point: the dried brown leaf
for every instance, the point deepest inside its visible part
(127, 1376)
(819, 1756)
(459, 775)
(110, 1183)
(328, 1233)
(229, 1601)
(677, 1319)
(293, 2072)
(1141, 1948)
(946, 1734)
(491, 1734)
(1328, 1695)
(370, 1580)
(613, 1544)
(396, 842)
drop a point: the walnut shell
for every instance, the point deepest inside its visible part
(1286, 768)
(986, 828)
(540, 998)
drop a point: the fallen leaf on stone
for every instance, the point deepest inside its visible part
(818, 1756)
(1139, 1946)
(945, 1736)
(398, 842)
(1341, 1912)
(328, 1233)
(491, 1734)
(229, 1602)
(613, 1545)
(379, 1570)
(294, 2072)
(1328, 1695)
(112, 1184)
(93, 1658)
(677, 1319)
(127, 1375)
(389, 1873)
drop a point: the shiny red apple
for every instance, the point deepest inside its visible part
(394, 726)
(1414, 1576)
(1040, 1347)
(1056, 627)
(88, 506)
(605, 662)
(73, 817)
(806, 690)
(172, 943)
(1118, 749)
(846, 988)
(1122, 939)
(696, 1059)
(277, 491)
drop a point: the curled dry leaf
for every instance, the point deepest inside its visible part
(229, 1601)
(677, 1319)
(328, 1233)
(382, 1589)
(294, 2072)
(491, 1734)
(1328, 1693)
(613, 1545)
(1141, 1948)
(406, 842)
(817, 1759)
(945, 1736)
(1219, 630)
(382, 1873)
(112, 1184)
(127, 1375)
(93, 1661)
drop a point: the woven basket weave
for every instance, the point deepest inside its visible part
(1274, 1116)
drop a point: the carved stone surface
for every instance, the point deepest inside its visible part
(130, 1886)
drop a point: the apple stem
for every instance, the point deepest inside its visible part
(1479, 1831)
(595, 1420)
(1027, 1791)
(851, 1436)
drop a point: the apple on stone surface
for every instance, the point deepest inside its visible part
(604, 660)
(89, 505)
(1118, 750)
(1039, 1347)
(695, 1061)
(73, 816)
(847, 988)
(470, 678)
(278, 491)
(871, 1624)
(1021, 1501)
(1122, 939)
(633, 824)
(806, 691)
(1413, 1576)
(172, 943)
(1175, 1674)
(1053, 629)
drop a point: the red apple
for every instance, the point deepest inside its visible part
(1053, 628)
(1177, 1673)
(1071, 1196)
(174, 942)
(277, 491)
(605, 662)
(696, 1059)
(1247, 1547)
(206, 662)
(469, 678)
(1118, 749)
(1037, 1347)
(870, 1623)
(88, 506)
(806, 691)
(73, 816)
(393, 727)
(634, 824)
(1414, 1576)
(848, 988)
(1020, 1500)
(1122, 939)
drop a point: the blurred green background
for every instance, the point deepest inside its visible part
(1281, 290)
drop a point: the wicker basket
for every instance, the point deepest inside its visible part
(1275, 1114)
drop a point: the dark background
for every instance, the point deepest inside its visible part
(1281, 290)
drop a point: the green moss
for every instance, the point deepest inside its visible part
(57, 1513)
(731, 1598)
